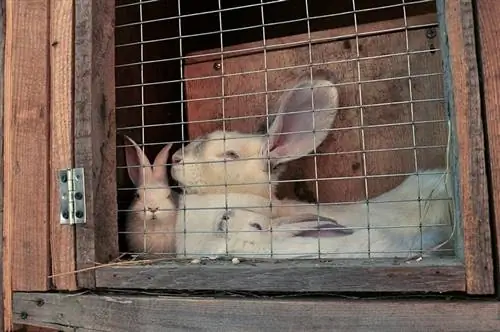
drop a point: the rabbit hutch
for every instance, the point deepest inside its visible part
(250, 165)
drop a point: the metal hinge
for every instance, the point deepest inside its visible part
(72, 196)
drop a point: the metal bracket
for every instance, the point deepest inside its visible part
(72, 196)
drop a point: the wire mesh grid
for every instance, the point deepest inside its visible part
(365, 177)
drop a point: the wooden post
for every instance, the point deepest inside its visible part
(462, 79)
(62, 237)
(2, 44)
(95, 130)
(488, 32)
(26, 150)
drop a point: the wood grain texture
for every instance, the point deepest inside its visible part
(97, 240)
(25, 154)
(62, 237)
(142, 313)
(388, 144)
(26, 149)
(489, 30)
(433, 275)
(469, 136)
(2, 44)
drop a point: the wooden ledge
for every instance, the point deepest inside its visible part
(381, 275)
(70, 312)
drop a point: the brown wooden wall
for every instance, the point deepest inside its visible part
(387, 129)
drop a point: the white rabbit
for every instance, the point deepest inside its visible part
(150, 224)
(244, 232)
(239, 163)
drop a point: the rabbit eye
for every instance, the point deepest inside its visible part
(256, 225)
(231, 155)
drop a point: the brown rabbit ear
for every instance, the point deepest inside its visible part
(159, 164)
(136, 157)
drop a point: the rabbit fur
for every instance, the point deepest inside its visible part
(236, 162)
(150, 223)
(203, 232)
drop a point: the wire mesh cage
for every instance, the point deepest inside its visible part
(282, 129)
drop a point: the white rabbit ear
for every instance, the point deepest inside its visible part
(307, 225)
(136, 157)
(159, 164)
(317, 102)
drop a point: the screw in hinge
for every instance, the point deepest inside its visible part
(65, 214)
(430, 33)
(64, 178)
(79, 214)
(217, 65)
(78, 195)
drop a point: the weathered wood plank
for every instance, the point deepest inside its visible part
(489, 30)
(465, 107)
(62, 237)
(97, 240)
(142, 313)
(433, 275)
(2, 44)
(26, 144)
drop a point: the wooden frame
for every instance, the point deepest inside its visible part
(476, 271)
(488, 29)
(94, 135)
(41, 125)
(146, 313)
(2, 44)
(463, 88)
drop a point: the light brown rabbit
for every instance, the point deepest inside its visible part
(151, 219)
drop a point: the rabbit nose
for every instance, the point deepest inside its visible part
(176, 159)
(153, 210)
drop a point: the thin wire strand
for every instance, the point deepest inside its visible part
(268, 124)
(181, 72)
(223, 109)
(143, 132)
(412, 115)
(361, 116)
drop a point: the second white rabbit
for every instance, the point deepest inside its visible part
(239, 231)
